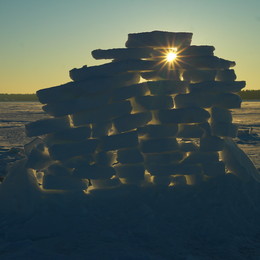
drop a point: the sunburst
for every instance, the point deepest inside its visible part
(171, 56)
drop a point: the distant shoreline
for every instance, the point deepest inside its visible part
(18, 97)
(245, 95)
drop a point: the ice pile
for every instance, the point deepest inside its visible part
(155, 115)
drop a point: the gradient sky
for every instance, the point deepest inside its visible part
(41, 40)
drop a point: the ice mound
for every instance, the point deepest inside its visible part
(141, 119)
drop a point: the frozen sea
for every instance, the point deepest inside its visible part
(218, 220)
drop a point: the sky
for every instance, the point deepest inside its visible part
(41, 40)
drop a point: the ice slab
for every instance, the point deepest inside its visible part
(131, 172)
(190, 131)
(183, 115)
(194, 179)
(211, 144)
(189, 51)
(76, 105)
(224, 129)
(33, 144)
(228, 100)
(129, 92)
(131, 155)
(76, 161)
(154, 102)
(202, 99)
(69, 134)
(105, 158)
(111, 69)
(122, 53)
(195, 76)
(158, 39)
(188, 146)
(46, 126)
(214, 169)
(167, 87)
(197, 50)
(226, 75)
(67, 150)
(62, 92)
(106, 84)
(63, 183)
(217, 86)
(132, 121)
(203, 62)
(58, 169)
(163, 158)
(158, 131)
(106, 183)
(102, 114)
(94, 171)
(178, 180)
(118, 141)
(101, 129)
(161, 74)
(173, 169)
(161, 180)
(72, 90)
(38, 159)
(220, 115)
(201, 157)
(159, 145)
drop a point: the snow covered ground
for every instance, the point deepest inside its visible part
(248, 118)
(216, 220)
(13, 117)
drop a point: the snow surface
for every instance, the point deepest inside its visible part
(218, 219)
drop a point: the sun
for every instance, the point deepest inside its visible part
(171, 56)
(168, 57)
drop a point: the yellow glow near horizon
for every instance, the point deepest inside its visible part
(171, 56)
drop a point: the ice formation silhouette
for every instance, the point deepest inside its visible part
(139, 119)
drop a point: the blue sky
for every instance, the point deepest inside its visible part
(42, 40)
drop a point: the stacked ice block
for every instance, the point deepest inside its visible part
(139, 119)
